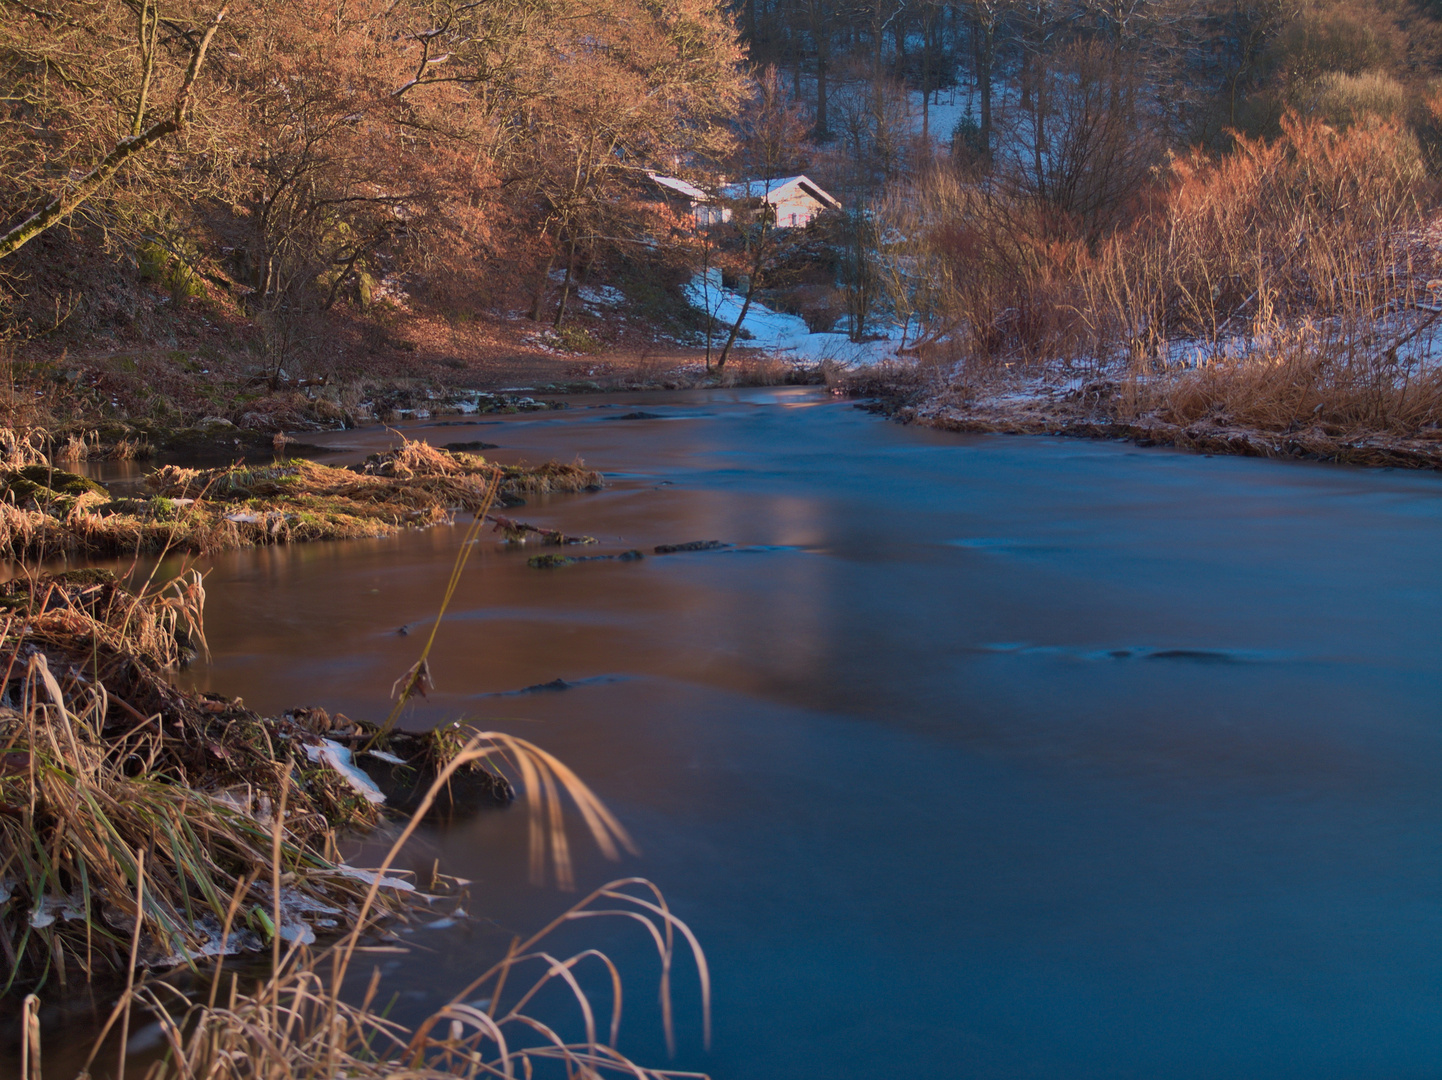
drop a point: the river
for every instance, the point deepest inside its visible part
(978, 756)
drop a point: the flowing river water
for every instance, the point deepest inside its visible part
(978, 756)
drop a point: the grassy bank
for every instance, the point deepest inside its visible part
(107, 766)
(1281, 300)
(47, 512)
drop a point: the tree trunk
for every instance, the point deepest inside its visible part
(798, 60)
(926, 79)
(566, 285)
(822, 32)
(758, 258)
(540, 297)
(876, 44)
(736, 327)
(985, 47)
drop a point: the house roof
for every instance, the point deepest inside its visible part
(691, 191)
(771, 190)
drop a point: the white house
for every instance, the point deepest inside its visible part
(795, 199)
(683, 196)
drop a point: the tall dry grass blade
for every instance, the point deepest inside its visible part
(30, 1039)
(411, 681)
(134, 957)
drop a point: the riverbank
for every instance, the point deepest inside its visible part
(197, 404)
(113, 776)
(144, 827)
(1100, 407)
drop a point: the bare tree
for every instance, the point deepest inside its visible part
(773, 134)
(987, 20)
(143, 129)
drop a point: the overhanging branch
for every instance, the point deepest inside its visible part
(66, 203)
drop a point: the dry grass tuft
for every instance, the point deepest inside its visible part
(22, 446)
(103, 761)
(750, 369)
(1283, 288)
(54, 513)
(1298, 383)
(87, 446)
(295, 1024)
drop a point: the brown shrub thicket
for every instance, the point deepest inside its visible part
(1283, 283)
(330, 144)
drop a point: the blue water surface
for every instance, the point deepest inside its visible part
(989, 756)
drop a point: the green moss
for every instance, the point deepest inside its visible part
(152, 259)
(43, 483)
(548, 562)
(87, 577)
(577, 339)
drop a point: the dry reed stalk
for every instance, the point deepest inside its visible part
(74, 448)
(296, 1025)
(22, 446)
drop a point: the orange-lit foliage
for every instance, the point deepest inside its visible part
(352, 136)
(1280, 283)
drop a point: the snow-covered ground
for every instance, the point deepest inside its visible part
(784, 334)
(948, 107)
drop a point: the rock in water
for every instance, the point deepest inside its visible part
(693, 545)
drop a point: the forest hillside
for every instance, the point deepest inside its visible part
(1128, 201)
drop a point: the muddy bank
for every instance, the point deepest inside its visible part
(1096, 410)
(165, 420)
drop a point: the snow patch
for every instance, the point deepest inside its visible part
(601, 295)
(339, 758)
(948, 108)
(782, 333)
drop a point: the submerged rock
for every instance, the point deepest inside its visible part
(692, 545)
(554, 684)
(518, 532)
(549, 562)
(406, 772)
